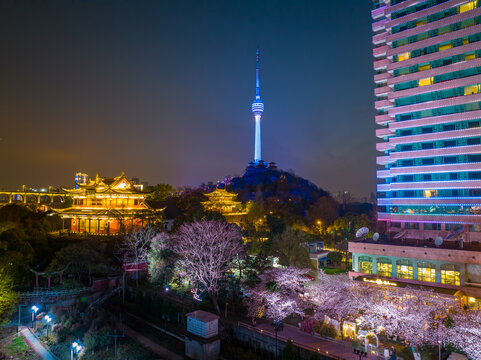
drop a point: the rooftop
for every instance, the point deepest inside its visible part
(426, 243)
(203, 316)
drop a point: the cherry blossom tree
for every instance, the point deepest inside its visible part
(205, 250)
(465, 332)
(278, 294)
(135, 247)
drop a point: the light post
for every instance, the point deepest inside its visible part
(47, 319)
(277, 326)
(34, 310)
(115, 336)
(75, 347)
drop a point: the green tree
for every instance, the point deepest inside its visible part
(159, 192)
(289, 352)
(8, 297)
(290, 247)
(335, 257)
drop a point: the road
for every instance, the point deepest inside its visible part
(35, 344)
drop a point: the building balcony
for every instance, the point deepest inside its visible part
(383, 119)
(383, 160)
(382, 76)
(433, 25)
(434, 120)
(442, 168)
(434, 40)
(434, 56)
(428, 201)
(448, 218)
(384, 132)
(450, 151)
(449, 84)
(379, 25)
(433, 185)
(381, 174)
(422, 13)
(383, 146)
(381, 64)
(459, 100)
(380, 51)
(456, 134)
(379, 38)
(401, 5)
(382, 90)
(384, 104)
(436, 71)
(383, 187)
(378, 13)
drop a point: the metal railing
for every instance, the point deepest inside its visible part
(285, 339)
(52, 293)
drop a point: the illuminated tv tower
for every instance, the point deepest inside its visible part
(257, 110)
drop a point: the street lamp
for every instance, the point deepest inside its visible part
(34, 310)
(47, 319)
(75, 347)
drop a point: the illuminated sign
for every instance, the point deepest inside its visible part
(379, 282)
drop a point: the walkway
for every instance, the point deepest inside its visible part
(336, 349)
(35, 344)
(156, 348)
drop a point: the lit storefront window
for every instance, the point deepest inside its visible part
(404, 269)
(450, 274)
(384, 267)
(426, 272)
(365, 264)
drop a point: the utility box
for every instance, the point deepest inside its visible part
(203, 324)
(202, 341)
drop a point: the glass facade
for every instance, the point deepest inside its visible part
(428, 102)
(426, 272)
(404, 269)
(365, 264)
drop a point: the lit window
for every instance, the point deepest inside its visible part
(444, 47)
(472, 89)
(404, 56)
(426, 272)
(471, 56)
(404, 269)
(465, 41)
(468, 6)
(365, 265)
(429, 193)
(450, 275)
(424, 67)
(421, 22)
(384, 267)
(426, 81)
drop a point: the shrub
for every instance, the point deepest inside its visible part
(327, 330)
(289, 352)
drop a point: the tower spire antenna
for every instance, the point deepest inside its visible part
(257, 110)
(258, 87)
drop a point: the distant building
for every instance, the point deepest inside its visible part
(106, 206)
(224, 202)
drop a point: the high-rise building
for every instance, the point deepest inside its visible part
(427, 62)
(257, 110)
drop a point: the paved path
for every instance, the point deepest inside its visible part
(156, 348)
(336, 348)
(35, 344)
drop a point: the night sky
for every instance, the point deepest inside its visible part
(162, 90)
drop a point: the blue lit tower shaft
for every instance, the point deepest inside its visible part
(257, 110)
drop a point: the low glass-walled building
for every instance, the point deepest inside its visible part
(449, 270)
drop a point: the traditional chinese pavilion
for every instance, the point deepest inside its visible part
(224, 202)
(106, 206)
